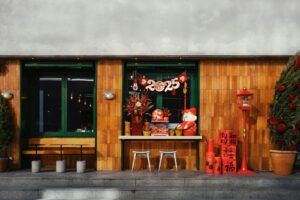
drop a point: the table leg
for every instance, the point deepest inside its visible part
(80, 152)
(61, 152)
(36, 152)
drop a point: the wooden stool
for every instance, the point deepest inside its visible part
(143, 154)
(167, 153)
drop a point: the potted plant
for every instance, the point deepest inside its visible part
(6, 132)
(284, 118)
(136, 106)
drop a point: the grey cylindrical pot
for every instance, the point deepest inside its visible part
(60, 166)
(35, 166)
(80, 166)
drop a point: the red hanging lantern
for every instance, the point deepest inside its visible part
(182, 77)
(244, 99)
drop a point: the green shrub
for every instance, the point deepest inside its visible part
(284, 116)
(6, 124)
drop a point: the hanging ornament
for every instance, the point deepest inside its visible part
(173, 92)
(281, 127)
(281, 88)
(291, 106)
(297, 85)
(79, 98)
(291, 97)
(272, 121)
(143, 80)
(297, 63)
(293, 132)
(182, 77)
(135, 85)
(184, 97)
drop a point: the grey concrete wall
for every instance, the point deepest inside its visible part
(149, 27)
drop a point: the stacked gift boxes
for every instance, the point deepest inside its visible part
(228, 140)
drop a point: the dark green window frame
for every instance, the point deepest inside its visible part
(64, 71)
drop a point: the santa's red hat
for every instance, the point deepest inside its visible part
(191, 110)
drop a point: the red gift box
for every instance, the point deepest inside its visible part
(228, 151)
(227, 137)
(229, 166)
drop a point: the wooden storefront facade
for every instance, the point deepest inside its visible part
(219, 79)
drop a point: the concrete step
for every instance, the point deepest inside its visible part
(147, 193)
(126, 185)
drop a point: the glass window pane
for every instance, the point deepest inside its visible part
(49, 104)
(80, 104)
(174, 101)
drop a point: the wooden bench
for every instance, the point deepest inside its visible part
(51, 146)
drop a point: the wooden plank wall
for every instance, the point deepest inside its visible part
(220, 79)
(109, 115)
(10, 81)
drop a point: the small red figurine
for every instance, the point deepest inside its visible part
(188, 125)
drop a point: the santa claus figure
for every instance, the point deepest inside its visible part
(188, 124)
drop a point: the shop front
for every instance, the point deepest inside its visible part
(62, 110)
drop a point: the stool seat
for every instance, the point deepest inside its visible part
(167, 153)
(142, 154)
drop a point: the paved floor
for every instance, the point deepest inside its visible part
(144, 175)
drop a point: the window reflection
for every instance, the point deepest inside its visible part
(80, 104)
(50, 104)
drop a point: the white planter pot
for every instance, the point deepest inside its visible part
(35, 166)
(80, 166)
(60, 166)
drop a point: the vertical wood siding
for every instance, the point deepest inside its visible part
(219, 82)
(10, 82)
(109, 115)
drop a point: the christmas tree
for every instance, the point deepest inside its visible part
(284, 117)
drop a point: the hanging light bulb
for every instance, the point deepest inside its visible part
(84, 102)
(71, 96)
(79, 98)
(90, 105)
